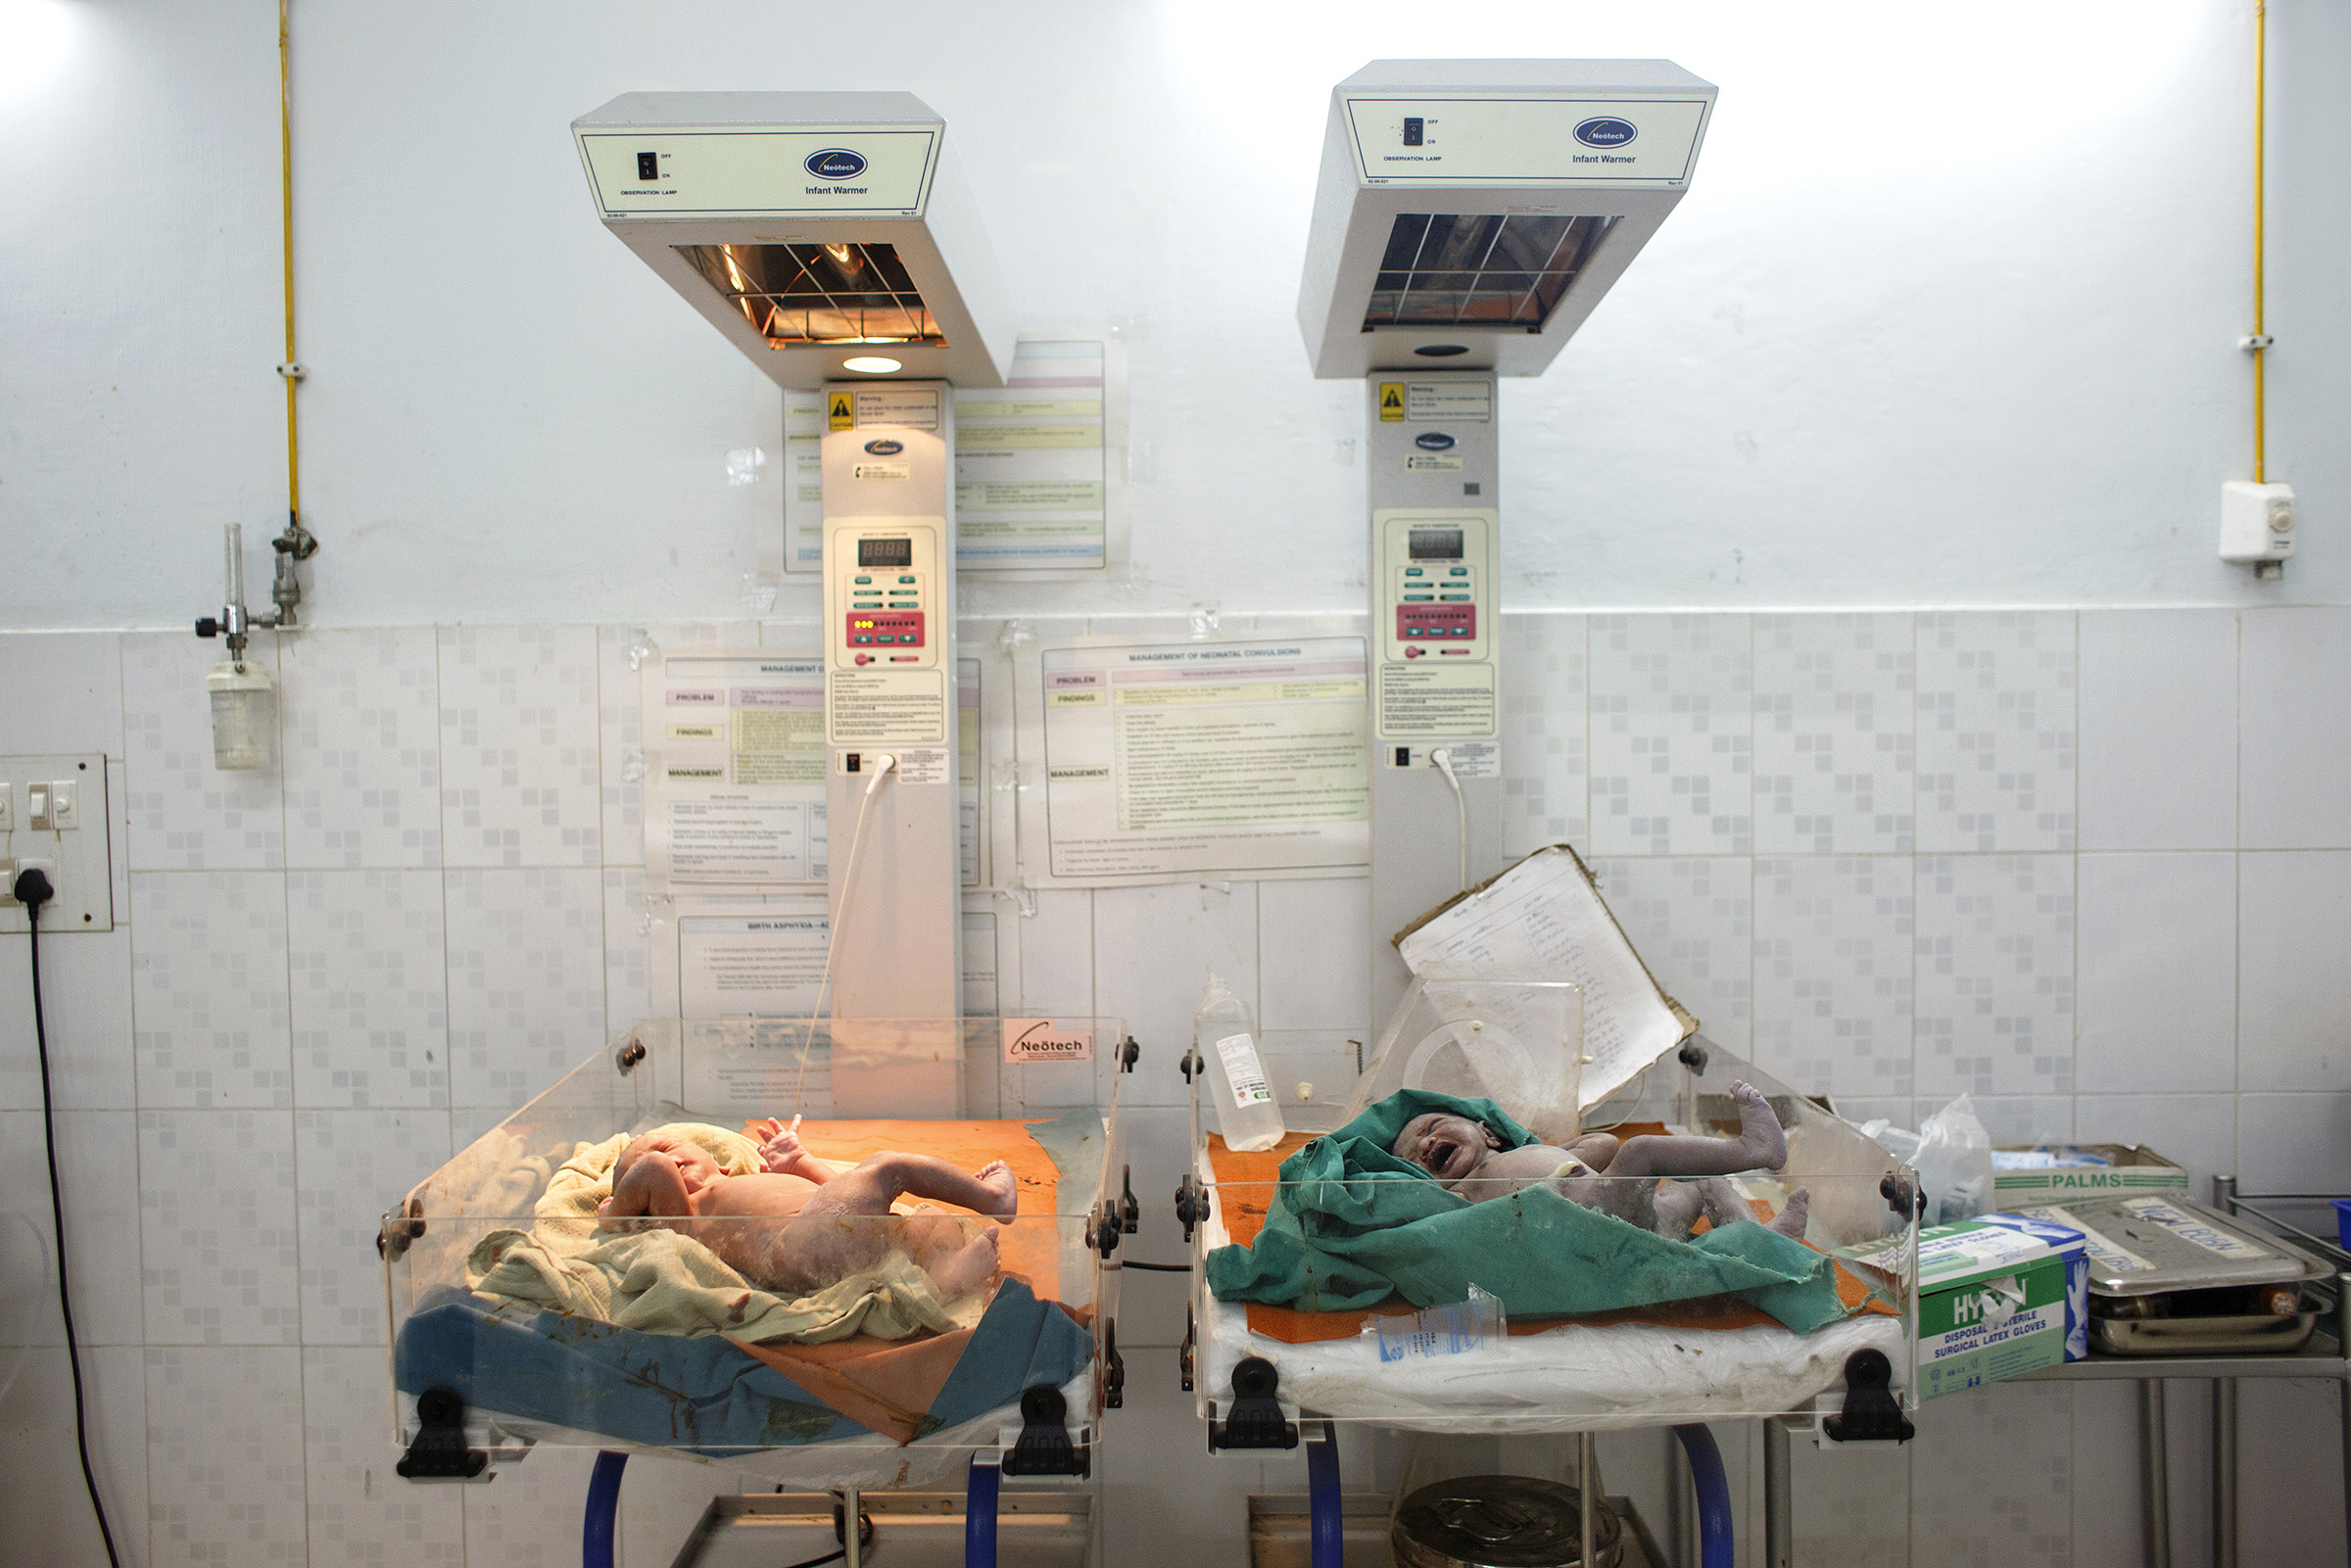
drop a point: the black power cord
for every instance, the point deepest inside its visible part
(32, 890)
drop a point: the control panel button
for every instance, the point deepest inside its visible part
(1453, 598)
(1415, 571)
(1418, 598)
(862, 636)
(1457, 571)
(860, 581)
(905, 578)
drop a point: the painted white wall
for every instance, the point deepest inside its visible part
(1948, 317)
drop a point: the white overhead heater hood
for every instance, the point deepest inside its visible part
(810, 228)
(1471, 213)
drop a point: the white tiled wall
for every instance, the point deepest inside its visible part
(2093, 868)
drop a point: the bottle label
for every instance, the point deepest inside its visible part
(1245, 1071)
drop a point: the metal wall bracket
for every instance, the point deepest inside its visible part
(1255, 1419)
(438, 1452)
(1870, 1413)
(1044, 1447)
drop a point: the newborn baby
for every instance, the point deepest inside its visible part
(1469, 1157)
(825, 1227)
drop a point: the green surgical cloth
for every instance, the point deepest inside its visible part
(1351, 1223)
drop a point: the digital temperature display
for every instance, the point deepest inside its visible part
(892, 552)
(1435, 544)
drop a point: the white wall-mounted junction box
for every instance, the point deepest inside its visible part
(2257, 524)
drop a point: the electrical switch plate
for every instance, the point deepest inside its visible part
(48, 799)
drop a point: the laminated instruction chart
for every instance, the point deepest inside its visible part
(1174, 759)
(1031, 481)
(735, 769)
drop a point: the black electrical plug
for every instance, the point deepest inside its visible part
(32, 888)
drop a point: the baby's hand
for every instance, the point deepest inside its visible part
(782, 1154)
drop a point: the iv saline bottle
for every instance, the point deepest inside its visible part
(1226, 1039)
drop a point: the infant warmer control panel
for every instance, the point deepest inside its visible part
(1436, 574)
(887, 601)
(883, 588)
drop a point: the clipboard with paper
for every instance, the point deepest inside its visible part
(1544, 916)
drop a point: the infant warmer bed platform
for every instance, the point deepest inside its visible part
(517, 1322)
(1656, 1363)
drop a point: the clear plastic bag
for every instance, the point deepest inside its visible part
(1955, 1164)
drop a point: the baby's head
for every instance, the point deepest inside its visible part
(697, 1168)
(1446, 1146)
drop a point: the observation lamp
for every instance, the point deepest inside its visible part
(1471, 213)
(822, 233)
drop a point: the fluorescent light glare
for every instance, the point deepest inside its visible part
(870, 364)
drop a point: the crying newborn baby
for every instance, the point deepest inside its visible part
(1469, 1157)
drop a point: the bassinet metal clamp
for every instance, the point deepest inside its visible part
(1254, 1420)
(438, 1452)
(1128, 1052)
(1870, 1413)
(1131, 1212)
(1043, 1447)
(1191, 1202)
(631, 1052)
(1104, 1227)
(1114, 1368)
(1183, 1355)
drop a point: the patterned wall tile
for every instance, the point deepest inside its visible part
(370, 986)
(355, 1165)
(1995, 1001)
(1187, 929)
(85, 997)
(526, 981)
(64, 692)
(217, 1227)
(208, 985)
(1834, 940)
(224, 1457)
(1334, 992)
(1836, 731)
(519, 782)
(362, 733)
(41, 1496)
(185, 814)
(2293, 989)
(531, 1517)
(1546, 762)
(1670, 731)
(94, 1151)
(2157, 952)
(628, 983)
(1852, 1505)
(2295, 712)
(2002, 1488)
(1692, 922)
(359, 1511)
(2158, 726)
(1995, 731)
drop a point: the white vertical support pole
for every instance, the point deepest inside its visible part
(1432, 455)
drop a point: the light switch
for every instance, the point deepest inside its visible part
(8, 807)
(64, 805)
(37, 808)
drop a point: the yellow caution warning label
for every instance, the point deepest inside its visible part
(1391, 401)
(842, 409)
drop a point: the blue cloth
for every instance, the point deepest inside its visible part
(704, 1393)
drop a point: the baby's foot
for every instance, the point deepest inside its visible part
(1759, 1128)
(1790, 1222)
(1004, 1190)
(969, 1267)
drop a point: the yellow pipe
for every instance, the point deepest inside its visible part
(2261, 128)
(285, 132)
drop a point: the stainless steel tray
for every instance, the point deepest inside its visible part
(2250, 1335)
(2144, 1245)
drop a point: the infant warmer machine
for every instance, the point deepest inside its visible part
(1468, 217)
(830, 237)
